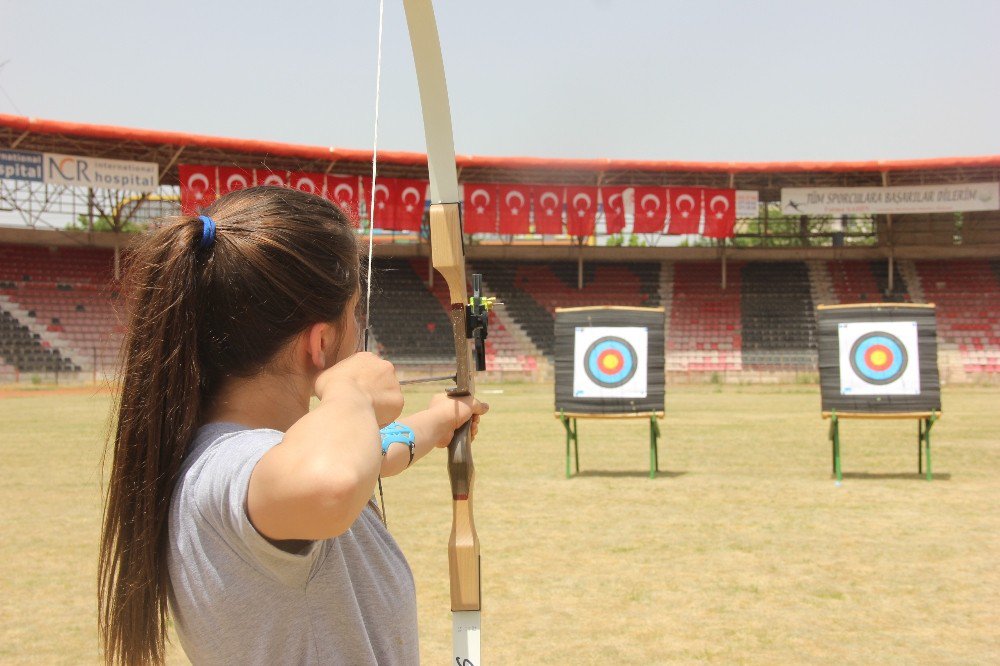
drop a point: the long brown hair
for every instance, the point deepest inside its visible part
(198, 313)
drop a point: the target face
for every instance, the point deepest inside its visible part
(610, 362)
(879, 358)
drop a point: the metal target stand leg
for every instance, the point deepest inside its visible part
(835, 444)
(924, 444)
(654, 452)
(571, 436)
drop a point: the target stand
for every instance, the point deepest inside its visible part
(879, 361)
(572, 437)
(609, 365)
(925, 421)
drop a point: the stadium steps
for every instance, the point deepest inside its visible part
(820, 284)
(25, 352)
(705, 334)
(908, 271)
(899, 293)
(508, 349)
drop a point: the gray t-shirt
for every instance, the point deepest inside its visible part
(238, 599)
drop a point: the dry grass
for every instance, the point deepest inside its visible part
(744, 552)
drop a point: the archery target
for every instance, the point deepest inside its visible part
(879, 358)
(610, 362)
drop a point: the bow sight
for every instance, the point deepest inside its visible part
(477, 316)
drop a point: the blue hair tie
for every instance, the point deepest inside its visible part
(207, 231)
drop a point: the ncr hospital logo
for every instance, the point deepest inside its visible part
(67, 169)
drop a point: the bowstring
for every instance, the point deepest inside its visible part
(371, 216)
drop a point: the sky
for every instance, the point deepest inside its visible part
(662, 80)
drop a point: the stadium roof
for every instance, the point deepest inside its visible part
(169, 149)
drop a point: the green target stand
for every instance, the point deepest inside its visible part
(609, 364)
(879, 361)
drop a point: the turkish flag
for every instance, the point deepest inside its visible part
(514, 202)
(479, 215)
(198, 187)
(343, 191)
(581, 211)
(650, 210)
(548, 207)
(269, 177)
(720, 213)
(614, 209)
(685, 210)
(379, 205)
(310, 183)
(409, 198)
(234, 178)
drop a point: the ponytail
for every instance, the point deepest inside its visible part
(160, 397)
(199, 311)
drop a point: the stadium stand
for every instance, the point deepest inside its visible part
(777, 317)
(704, 332)
(507, 349)
(58, 312)
(865, 282)
(407, 320)
(967, 296)
(59, 303)
(531, 291)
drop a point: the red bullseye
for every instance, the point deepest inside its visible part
(878, 357)
(610, 360)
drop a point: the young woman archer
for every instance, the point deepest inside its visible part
(232, 507)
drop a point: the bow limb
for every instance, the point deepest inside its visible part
(448, 258)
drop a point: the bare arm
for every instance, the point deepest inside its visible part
(315, 483)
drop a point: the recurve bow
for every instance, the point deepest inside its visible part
(468, 320)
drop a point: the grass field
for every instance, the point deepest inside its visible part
(744, 551)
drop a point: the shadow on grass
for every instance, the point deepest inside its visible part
(902, 476)
(622, 475)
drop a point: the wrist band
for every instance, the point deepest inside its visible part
(395, 433)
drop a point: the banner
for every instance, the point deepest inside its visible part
(890, 200)
(549, 209)
(613, 199)
(515, 206)
(685, 210)
(77, 171)
(747, 203)
(650, 210)
(720, 213)
(581, 211)
(479, 214)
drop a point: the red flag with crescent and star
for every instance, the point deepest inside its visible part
(685, 210)
(613, 199)
(399, 203)
(198, 187)
(548, 207)
(581, 211)
(650, 210)
(479, 215)
(720, 213)
(515, 204)
(271, 177)
(234, 178)
(344, 191)
(310, 183)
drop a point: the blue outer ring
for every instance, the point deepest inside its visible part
(879, 377)
(599, 376)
